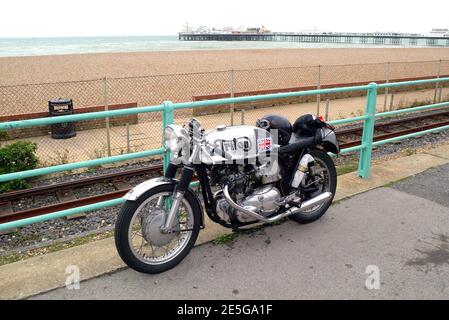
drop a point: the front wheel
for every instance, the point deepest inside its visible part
(138, 236)
(322, 177)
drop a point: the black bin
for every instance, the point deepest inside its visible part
(61, 107)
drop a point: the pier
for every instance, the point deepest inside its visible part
(389, 39)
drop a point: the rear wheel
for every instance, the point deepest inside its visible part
(138, 237)
(322, 177)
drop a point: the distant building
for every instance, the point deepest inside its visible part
(316, 31)
(439, 33)
(257, 30)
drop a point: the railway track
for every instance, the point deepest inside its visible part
(65, 195)
(394, 128)
(348, 137)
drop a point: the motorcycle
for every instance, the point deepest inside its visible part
(247, 175)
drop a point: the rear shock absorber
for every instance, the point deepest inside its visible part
(301, 170)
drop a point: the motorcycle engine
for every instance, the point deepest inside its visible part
(251, 187)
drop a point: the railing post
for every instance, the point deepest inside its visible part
(387, 80)
(368, 131)
(167, 118)
(318, 96)
(437, 84)
(232, 91)
(106, 108)
(128, 143)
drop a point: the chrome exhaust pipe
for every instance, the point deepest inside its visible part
(309, 204)
(320, 199)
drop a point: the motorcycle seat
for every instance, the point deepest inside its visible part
(299, 141)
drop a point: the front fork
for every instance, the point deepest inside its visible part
(170, 173)
(178, 193)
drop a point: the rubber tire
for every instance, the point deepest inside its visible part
(307, 218)
(122, 226)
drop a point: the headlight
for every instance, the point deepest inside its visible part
(173, 138)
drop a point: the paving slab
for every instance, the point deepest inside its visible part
(441, 151)
(39, 274)
(387, 172)
(432, 184)
(384, 236)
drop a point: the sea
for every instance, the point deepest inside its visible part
(14, 47)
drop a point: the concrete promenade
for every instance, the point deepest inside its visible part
(398, 230)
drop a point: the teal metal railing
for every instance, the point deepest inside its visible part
(167, 108)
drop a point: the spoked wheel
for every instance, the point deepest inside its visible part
(139, 239)
(322, 177)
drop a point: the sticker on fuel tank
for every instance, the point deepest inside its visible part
(236, 144)
(263, 144)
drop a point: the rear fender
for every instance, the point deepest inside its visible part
(329, 140)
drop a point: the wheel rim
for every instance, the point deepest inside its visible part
(146, 241)
(322, 181)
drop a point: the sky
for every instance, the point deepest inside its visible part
(61, 18)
